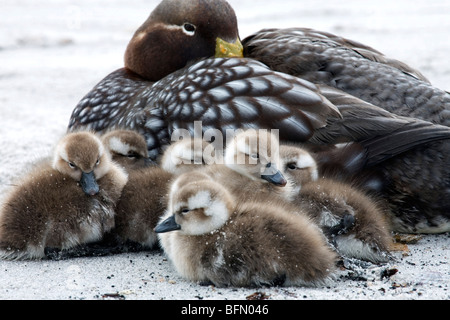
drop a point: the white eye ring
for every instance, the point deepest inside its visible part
(72, 165)
(189, 28)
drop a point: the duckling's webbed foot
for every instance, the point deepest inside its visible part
(206, 283)
(345, 224)
(279, 281)
(86, 250)
(64, 254)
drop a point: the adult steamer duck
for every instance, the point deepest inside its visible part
(186, 64)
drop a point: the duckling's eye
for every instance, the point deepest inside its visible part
(132, 155)
(254, 156)
(189, 29)
(98, 162)
(184, 210)
(292, 166)
(72, 165)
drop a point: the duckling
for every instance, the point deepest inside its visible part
(251, 165)
(63, 202)
(140, 207)
(141, 201)
(355, 223)
(311, 91)
(128, 148)
(144, 197)
(211, 238)
(189, 154)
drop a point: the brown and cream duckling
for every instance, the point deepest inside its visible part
(144, 198)
(128, 148)
(63, 202)
(210, 237)
(355, 223)
(251, 164)
(140, 207)
(188, 154)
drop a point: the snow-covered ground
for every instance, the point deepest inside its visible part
(53, 52)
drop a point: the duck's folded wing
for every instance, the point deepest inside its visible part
(352, 67)
(214, 94)
(257, 45)
(360, 119)
(410, 136)
(382, 134)
(241, 93)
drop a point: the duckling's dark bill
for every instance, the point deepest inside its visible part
(277, 178)
(89, 184)
(167, 225)
(226, 49)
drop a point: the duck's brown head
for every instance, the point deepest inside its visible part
(180, 31)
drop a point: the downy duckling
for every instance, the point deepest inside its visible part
(187, 155)
(128, 148)
(144, 198)
(251, 165)
(354, 222)
(64, 202)
(210, 237)
(141, 205)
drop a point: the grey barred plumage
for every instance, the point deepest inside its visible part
(354, 68)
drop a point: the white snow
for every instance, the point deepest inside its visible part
(53, 52)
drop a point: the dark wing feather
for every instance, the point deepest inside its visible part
(408, 137)
(352, 67)
(323, 39)
(240, 93)
(382, 134)
(221, 93)
(360, 120)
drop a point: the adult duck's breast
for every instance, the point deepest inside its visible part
(108, 103)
